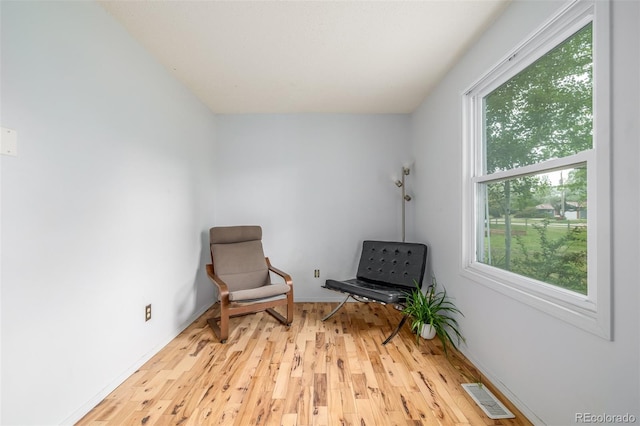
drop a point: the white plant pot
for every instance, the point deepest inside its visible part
(428, 332)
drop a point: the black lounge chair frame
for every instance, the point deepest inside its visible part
(387, 272)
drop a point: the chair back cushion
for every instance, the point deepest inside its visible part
(401, 265)
(237, 256)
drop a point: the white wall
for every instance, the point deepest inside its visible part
(107, 207)
(318, 184)
(551, 369)
(104, 210)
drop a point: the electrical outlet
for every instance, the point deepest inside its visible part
(316, 273)
(147, 312)
(8, 141)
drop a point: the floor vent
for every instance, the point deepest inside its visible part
(493, 408)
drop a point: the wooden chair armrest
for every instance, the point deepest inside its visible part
(284, 275)
(223, 290)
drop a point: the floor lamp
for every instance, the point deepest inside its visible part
(405, 197)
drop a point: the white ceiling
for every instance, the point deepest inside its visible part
(307, 56)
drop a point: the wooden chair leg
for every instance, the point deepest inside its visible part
(277, 315)
(290, 308)
(224, 323)
(220, 324)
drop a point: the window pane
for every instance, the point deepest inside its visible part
(536, 226)
(545, 111)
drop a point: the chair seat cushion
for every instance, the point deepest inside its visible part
(263, 292)
(373, 291)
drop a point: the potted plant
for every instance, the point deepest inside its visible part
(436, 311)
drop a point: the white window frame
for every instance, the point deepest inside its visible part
(591, 312)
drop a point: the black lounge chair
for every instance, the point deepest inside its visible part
(387, 272)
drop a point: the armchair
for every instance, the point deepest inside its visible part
(241, 274)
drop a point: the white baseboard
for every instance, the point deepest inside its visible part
(321, 299)
(95, 400)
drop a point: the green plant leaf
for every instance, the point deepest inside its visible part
(436, 309)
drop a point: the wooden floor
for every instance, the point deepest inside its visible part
(314, 373)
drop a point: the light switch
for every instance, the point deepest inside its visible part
(8, 142)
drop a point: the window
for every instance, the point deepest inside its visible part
(536, 210)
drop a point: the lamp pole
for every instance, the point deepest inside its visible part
(405, 197)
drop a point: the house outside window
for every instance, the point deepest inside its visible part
(536, 184)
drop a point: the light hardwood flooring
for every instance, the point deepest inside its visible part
(313, 373)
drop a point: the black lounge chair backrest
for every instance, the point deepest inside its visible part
(395, 264)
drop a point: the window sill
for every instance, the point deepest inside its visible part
(567, 306)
